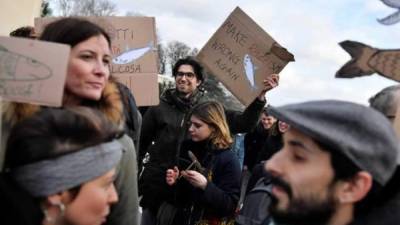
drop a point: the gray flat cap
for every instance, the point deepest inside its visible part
(362, 134)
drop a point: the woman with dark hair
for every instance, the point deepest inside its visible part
(274, 141)
(255, 139)
(207, 181)
(88, 84)
(60, 168)
(272, 144)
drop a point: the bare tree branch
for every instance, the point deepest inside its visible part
(65, 7)
(176, 50)
(86, 7)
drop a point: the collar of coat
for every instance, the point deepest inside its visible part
(171, 96)
(110, 104)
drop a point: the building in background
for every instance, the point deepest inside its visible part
(17, 13)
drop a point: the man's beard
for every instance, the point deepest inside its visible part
(310, 210)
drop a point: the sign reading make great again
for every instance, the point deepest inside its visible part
(134, 49)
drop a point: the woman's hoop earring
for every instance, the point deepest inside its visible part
(48, 218)
(61, 207)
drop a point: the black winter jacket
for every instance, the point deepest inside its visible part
(253, 142)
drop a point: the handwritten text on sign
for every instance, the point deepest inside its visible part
(241, 55)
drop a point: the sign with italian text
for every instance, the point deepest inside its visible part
(134, 49)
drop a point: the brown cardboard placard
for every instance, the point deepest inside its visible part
(134, 53)
(29, 72)
(141, 83)
(241, 54)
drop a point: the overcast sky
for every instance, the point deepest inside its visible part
(311, 30)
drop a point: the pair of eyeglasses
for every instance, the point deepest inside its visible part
(188, 74)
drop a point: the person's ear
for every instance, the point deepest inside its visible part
(356, 188)
(212, 128)
(53, 207)
(58, 199)
(198, 82)
(54, 199)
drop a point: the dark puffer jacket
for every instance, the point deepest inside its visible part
(164, 129)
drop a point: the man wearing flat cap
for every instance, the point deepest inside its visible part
(336, 157)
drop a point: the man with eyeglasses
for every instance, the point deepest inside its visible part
(165, 126)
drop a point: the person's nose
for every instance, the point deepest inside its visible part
(191, 128)
(112, 195)
(275, 164)
(101, 69)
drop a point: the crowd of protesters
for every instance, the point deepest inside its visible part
(95, 161)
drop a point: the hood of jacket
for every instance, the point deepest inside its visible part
(110, 104)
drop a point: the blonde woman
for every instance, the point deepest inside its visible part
(207, 185)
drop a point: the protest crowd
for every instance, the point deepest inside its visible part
(98, 160)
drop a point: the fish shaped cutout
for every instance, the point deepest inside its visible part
(132, 55)
(17, 67)
(367, 60)
(250, 71)
(393, 18)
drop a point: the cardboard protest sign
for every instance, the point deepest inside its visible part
(241, 54)
(367, 60)
(141, 83)
(29, 72)
(134, 53)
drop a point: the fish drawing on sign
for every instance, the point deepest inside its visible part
(132, 54)
(250, 71)
(17, 67)
(367, 60)
(393, 18)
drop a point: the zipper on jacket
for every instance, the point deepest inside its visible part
(183, 120)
